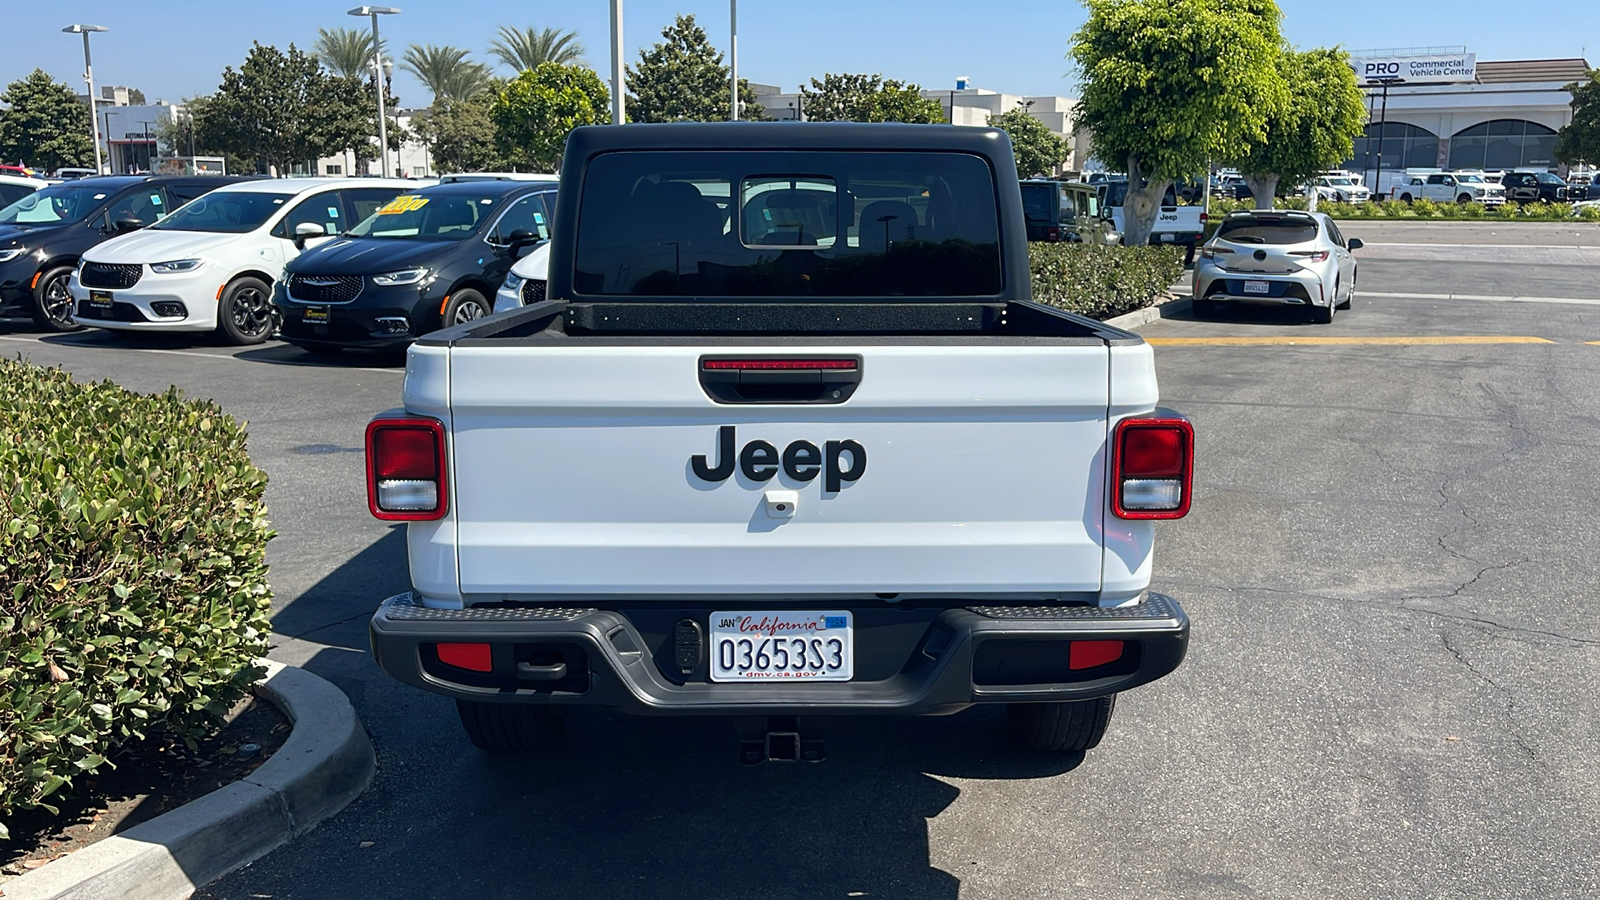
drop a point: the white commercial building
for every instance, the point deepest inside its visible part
(1505, 116)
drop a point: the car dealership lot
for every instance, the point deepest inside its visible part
(1389, 567)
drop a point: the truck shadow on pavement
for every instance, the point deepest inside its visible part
(618, 806)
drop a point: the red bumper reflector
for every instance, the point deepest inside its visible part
(476, 656)
(800, 364)
(1083, 654)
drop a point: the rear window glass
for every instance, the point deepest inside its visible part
(1036, 203)
(1267, 231)
(784, 224)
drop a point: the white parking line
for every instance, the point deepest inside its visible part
(1430, 244)
(222, 356)
(1574, 301)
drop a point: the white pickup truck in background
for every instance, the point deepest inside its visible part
(1447, 187)
(787, 441)
(1176, 225)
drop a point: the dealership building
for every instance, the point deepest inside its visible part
(1449, 111)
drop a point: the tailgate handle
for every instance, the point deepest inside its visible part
(780, 379)
(527, 671)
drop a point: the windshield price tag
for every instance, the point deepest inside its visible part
(782, 645)
(403, 204)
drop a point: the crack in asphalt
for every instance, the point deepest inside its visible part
(1510, 698)
(300, 636)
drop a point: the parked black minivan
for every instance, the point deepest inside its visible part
(43, 234)
(426, 260)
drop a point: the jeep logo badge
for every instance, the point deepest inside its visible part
(801, 460)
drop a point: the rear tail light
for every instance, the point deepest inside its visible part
(1052, 233)
(406, 469)
(1312, 255)
(1213, 252)
(1204, 217)
(1152, 463)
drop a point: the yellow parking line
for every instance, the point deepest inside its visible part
(1285, 340)
(1593, 343)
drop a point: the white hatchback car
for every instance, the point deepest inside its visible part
(1277, 256)
(210, 265)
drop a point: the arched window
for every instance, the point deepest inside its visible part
(1503, 144)
(1404, 147)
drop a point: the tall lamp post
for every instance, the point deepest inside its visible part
(377, 71)
(733, 56)
(619, 109)
(88, 76)
(149, 152)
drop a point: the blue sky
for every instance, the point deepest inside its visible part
(177, 48)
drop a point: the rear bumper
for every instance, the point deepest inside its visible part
(927, 662)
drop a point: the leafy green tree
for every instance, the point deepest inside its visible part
(682, 79)
(1038, 149)
(447, 72)
(868, 98)
(459, 134)
(282, 108)
(44, 124)
(1578, 142)
(1311, 133)
(345, 51)
(1169, 85)
(539, 108)
(135, 97)
(526, 48)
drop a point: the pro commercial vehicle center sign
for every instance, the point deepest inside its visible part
(1416, 69)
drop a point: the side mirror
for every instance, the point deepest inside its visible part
(305, 231)
(1354, 244)
(520, 240)
(123, 226)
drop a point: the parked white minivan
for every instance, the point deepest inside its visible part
(210, 265)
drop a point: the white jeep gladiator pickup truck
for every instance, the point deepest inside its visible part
(788, 440)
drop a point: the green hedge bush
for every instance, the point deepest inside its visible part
(133, 575)
(1427, 209)
(1100, 281)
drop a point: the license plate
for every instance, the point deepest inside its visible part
(782, 645)
(100, 299)
(1257, 287)
(316, 314)
(1169, 237)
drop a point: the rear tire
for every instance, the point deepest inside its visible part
(1322, 315)
(244, 314)
(1349, 298)
(509, 728)
(1464, 198)
(1405, 198)
(1060, 727)
(52, 303)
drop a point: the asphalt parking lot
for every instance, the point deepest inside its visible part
(1390, 569)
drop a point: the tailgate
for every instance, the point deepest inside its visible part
(574, 473)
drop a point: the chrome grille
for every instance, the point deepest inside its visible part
(325, 288)
(532, 292)
(110, 275)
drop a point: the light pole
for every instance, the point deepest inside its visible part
(88, 76)
(733, 56)
(385, 74)
(149, 152)
(619, 110)
(377, 72)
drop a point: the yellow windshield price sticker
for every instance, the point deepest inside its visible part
(403, 205)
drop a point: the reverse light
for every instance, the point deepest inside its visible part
(406, 470)
(402, 277)
(8, 255)
(175, 266)
(1152, 463)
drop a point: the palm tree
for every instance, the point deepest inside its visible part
(446, 71)
(526, 49)
(345, 51)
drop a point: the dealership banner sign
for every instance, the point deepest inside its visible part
(1415, 69)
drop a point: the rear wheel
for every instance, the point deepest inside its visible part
(1405, 198)
(244, 314)
(509, 728)
(1349, 298)
(1322, 315)
(1060, 727)
(1464, 198)
(52, 302)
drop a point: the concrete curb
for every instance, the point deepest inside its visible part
(326, 763)
(1177, 306)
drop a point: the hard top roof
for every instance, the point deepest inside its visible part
(593, 139)
(304, 185)
(493, 188)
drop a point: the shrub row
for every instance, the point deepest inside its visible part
(133, 576)
(1428, 209)
(1100, 281)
